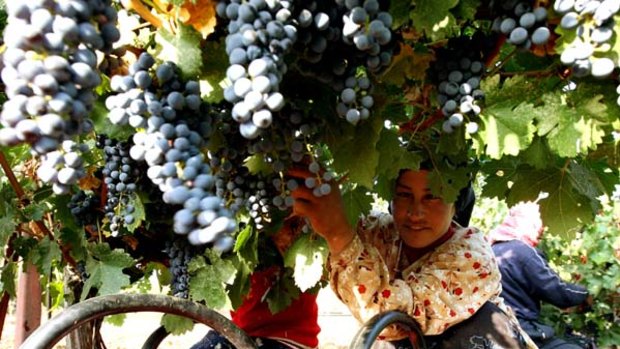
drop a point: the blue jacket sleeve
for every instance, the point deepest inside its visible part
(547, 284)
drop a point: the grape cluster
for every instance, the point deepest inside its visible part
(170, 146)
(458, 72)
(355, 100)
(84, 207)
(523, 25)
(50, 72)
(63, 167)
(180, 253)
(147, 93)
(368, 28)
(259, 34)
(120, 176)
(593, 24)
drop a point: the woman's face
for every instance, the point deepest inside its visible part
(420, 217)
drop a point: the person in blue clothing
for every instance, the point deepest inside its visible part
(527, 278)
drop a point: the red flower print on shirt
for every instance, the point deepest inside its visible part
(467, 255)
(476, 265)
(471, 311)
(427, 302)
(483, 275)
(444, 284)
(452, 313)
(361, 289)
(386, 293)
(458, 291)
(475, 290)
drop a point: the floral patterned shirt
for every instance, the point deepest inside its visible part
(442, 288)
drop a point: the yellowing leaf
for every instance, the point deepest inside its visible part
(200, 14)
(408, 64)
(89, 182)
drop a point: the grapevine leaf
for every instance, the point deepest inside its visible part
(44, 254)
(8, 276)
(116, 320)
(399, 9)
(447, 184)
(105, 267)
(200, 14)
(307, 257)
(565, 209)
(239, 290)
(247, 246)
(74, 240)
(182, 48)
(358, 156)
(430, 15)
(392, 159)
(466, 9)
(55, 291)
(572, 122)
(356, 202)
(213, 76)
(139, 215)
(35, 211)
(7, 228)
(282, 292)
(207, 282)
(538, 154)
(177, 325)
(99, 115)
(499, 174)
(205, 285)
(408, 64)
(508, 125)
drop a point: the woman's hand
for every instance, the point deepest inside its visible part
(325, 213)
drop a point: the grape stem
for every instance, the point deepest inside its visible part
(19, 191)
(503, 62)
(143, 11)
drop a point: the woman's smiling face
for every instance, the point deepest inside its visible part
(420, 217)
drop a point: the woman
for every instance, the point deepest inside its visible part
(420, 262)
(527, 278)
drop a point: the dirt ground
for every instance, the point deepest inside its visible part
(338, 328)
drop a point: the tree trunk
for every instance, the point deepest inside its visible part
(28, 313)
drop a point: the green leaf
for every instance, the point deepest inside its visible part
(399, 9)
(44, 254)
(35, 211)
(8, 276)
(208, 281)
(213, 76)
(356, 202)
(182, 48)
(117, 320)
(307, 257)
(538, 154)
(7, 228)
(430, 16)
(99, 115)
(466, 10)
(139, 215)
(358, 156)
(239, 290)
(499, 175)
(447, 184)
(565, 210)
(105, 267)
(508, 122)
(247, 246)
(393, 157)
(75, 241)
(176, 325)
(283, 292)
(573, 121)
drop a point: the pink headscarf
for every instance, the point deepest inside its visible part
(522, 223)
